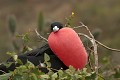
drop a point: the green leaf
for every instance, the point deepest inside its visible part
(46, 57)
(40, 21)
(72, 68)
(84, 71)
(60, 73)
(100, 77)
(29, 48)
(15, 57)
(45, 76)
(78, 76)
(30, 65)
(34, 77)
(24, 37)
(11, 53)
(18, 77)
(5, 76)
(54, 76)
(8, 64)
(117, 73)
(21, 69)
(48, 64)
(91, 76)
(19, 61)
(37, 71)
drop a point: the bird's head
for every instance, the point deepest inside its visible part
(56, 26)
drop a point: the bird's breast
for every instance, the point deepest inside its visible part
(67, 45)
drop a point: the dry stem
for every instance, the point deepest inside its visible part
(117, 50)
(94, 42)
(92, 39)
(2, 71)
(41, 37)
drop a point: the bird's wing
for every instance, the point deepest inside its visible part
(40, 51)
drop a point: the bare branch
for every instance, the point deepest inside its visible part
(92, 39)
(117, 50)
(112, 49)
(89, 62)
(82, 25)
(2, 71)
(78, 27)
(87, 29)
(99, 44)
(41, 37)
(101, 77)
(95, 51)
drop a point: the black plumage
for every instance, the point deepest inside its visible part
(58, 24)
(36, 56)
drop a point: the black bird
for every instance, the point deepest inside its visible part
(36, 56)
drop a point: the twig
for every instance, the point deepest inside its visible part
(41, 37)
(46, 68)
(117, 50)
(95, 51)
(101, 77)
(2, 71)
(77, 27)
(112, 49)
(89, 62)
(92, 39)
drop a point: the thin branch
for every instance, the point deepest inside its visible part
(89, 62)
(101, 77)
(94, 42)
(78, 27)
(92, 39)
(41, 37)
(95, 51)
(99, 44)
(89, 59)
(82, 34)
(117, 50)
(112, 49)
(87, 29)
(2, 71)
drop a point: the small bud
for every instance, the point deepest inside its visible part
(15, 57)
(73, 13)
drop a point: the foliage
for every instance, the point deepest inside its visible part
(25, 37)
(69, 20)
(31, 72)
